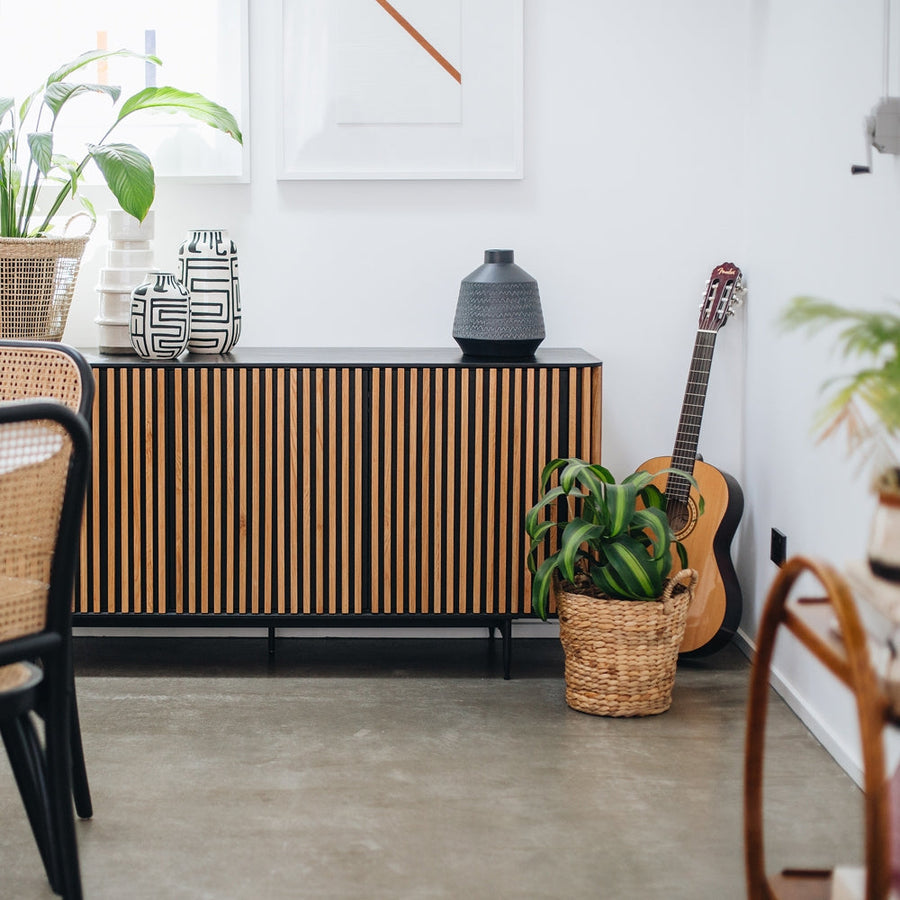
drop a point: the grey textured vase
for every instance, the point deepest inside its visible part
(499, 310)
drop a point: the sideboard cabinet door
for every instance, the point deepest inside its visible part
(124, 564)
(456, 461)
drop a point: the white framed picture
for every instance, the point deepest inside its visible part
(402, 89)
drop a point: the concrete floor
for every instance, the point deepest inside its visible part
(408, 768)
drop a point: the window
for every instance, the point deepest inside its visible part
(203, 48)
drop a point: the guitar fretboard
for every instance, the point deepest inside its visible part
(687, 439)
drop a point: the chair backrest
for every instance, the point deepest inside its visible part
(31, 370)
(44, 459)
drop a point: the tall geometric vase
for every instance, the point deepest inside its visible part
(160, 317)
(209, 270)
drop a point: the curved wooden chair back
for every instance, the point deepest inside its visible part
(45, 450)
(31, 370)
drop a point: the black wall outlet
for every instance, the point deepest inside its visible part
(778, 551)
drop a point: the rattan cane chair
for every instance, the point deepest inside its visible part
(32, 370)
(44, 460)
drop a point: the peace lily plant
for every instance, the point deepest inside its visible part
(614, 539)
(30, 166)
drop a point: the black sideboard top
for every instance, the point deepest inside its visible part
(412, 357)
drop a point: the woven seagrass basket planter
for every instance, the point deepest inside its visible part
(621, 655)
(37, 281)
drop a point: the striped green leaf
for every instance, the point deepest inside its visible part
(540, 586)
(635, 568)
(576, 533)
(657, 523)
(621, 500)
(652, 497)
(532, 517)
(549, 469)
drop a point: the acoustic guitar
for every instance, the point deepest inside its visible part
(715, 612)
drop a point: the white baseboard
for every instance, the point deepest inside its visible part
(800, 709)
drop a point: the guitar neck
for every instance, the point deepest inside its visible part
(687, 439)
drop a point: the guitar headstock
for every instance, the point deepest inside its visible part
(724, 293)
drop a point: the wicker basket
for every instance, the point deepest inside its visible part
(37, 280)
(621, 654)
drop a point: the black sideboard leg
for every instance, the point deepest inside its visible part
(506, 632)
(271, 642)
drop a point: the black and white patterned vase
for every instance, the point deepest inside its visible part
(209, 269)
(499, 310)
(160, 316)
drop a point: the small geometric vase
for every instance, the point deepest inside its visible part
(160, 316)
(499, 310)
(209, 270)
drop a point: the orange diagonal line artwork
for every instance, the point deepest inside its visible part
(420, 39)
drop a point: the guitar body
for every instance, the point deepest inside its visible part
(715, 612)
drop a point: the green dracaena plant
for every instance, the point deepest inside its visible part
(30, 168)
(614, 538)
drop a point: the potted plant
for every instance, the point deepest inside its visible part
(865, 404)
(37, 271)
(604, 551)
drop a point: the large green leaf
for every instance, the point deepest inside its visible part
(6, 104)
(85, 59)
(129, 175)
(58, 93)
(41, 146)
(169, 99)
(5, 137)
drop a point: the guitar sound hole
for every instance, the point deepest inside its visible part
(683, 517)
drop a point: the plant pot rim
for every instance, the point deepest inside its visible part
(675, 584)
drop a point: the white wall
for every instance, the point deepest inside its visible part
(661, 139)
(814, 72)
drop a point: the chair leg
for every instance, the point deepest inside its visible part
(26, 760)
(58, 742)
(80, 787)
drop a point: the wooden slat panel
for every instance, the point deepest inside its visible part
(457, 456)
(268, 512)
(123, 537)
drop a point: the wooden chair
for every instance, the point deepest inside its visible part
(45, 451)
(31, 370)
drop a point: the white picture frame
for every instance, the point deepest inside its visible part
(369, 90)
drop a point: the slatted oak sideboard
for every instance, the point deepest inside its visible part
(298, 486)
